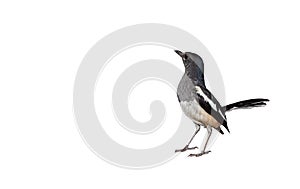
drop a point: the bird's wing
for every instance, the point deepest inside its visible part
(211, 105)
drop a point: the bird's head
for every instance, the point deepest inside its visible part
(191, 60)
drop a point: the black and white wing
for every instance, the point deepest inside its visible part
(211, 105)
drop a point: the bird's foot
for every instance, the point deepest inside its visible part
(186, 148)
(200, 154)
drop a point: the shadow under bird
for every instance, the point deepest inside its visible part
(200, 105)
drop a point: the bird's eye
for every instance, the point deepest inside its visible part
(185, 57)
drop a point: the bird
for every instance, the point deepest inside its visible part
(200, 105)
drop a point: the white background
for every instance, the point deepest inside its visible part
(256, 46)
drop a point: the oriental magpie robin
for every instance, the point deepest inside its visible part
(199, 104)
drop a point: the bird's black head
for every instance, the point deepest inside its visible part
(194, 67)
(191, 60)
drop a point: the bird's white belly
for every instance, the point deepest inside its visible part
(195, 112)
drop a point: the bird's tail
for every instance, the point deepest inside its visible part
(251, 103)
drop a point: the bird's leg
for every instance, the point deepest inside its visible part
(187, 146)
(209, 131)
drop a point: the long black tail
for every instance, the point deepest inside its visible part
(251, 103)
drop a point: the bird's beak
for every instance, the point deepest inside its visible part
(181, 54)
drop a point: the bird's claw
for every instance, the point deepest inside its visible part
(186, 148)
(200, 154)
